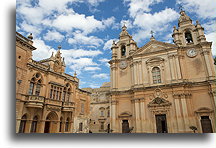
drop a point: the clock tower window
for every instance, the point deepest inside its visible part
(123, 50)
(188, 37)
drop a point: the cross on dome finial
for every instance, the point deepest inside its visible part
(181, 7)
(59, 47)
(152, 36)
(75, 74)
(152, 33)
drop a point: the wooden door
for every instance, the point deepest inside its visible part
(47, 127)
(206, 124)
(161, 123)
(125, 126)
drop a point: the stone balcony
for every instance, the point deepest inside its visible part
(53, 102)
(68, 106)
(34, 101)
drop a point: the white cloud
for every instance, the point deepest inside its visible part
(148, 20)
(82, 39)
(140, 6)
(101, 76)
(203, 9)
(158, 22)
(69, 22)
(108, 44)
(211, 38)
(79, 64)
(43, 51)
(77, 53)
(109, 21)
(104, 61)
(53, 36)
(30, 29)
(95, 2)
(210, 26)
(92, 68)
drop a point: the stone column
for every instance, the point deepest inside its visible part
(135, 73)
(140, 73)
(28, 126)
(207, 61)
(137, 116)
(185, 112)
(113, 116)
(178, 67)
(132, 74)
(114, 77)
(142, 114)
(178, 114)
(171, 66)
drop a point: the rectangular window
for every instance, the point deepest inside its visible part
(102, 126)
(108, 113)
(80, 126)
(37, 90)
(31, 87)
(82, 108)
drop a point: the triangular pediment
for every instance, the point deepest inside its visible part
(154, 46)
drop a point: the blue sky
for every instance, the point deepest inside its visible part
(86, 28)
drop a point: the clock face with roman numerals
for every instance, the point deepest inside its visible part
(123, 64)
(191, 52)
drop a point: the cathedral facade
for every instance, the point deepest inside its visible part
(47, 99)
(162, 87)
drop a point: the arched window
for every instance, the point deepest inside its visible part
(34, 125)
(66, 93)
(102, 113)
(67, 125)
(60, 124)
(22, 124)
(156, 75)
(123, 50)
(35, 85)
(188, 37)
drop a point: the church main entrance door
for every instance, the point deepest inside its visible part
(161, 123)
(125, 126)
(206, 124)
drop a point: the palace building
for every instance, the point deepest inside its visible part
(162, 87)
(100, 109)
(47, 99)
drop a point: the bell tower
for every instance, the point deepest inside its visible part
(120, 63)
(125, 46)
(187, 33)
(195, 51)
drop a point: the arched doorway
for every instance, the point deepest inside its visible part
(23, 124)
(51, 123)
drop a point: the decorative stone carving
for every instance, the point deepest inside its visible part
(159, 102)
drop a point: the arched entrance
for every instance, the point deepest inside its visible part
(51, 123)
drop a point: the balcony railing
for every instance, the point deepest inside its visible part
(39, 101)
(34, 101)
(68, 106)
(53, 102)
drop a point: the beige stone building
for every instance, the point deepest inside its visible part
(162, 87)
(47, 99)
(100, 109)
